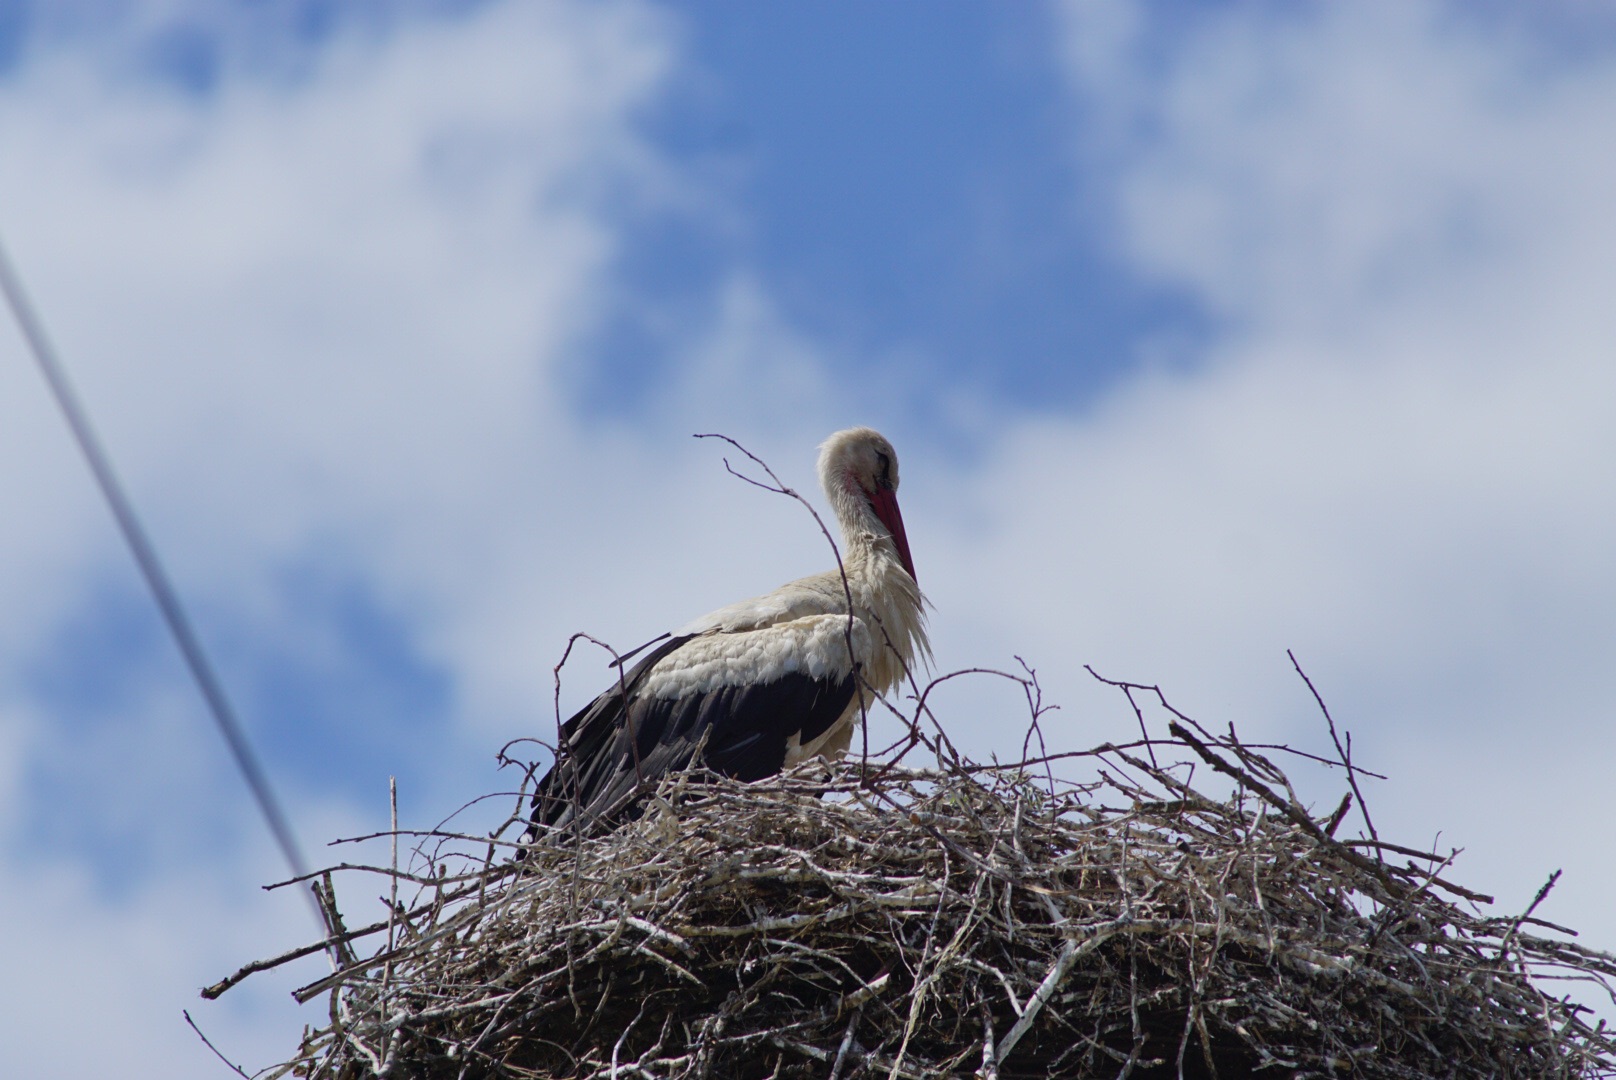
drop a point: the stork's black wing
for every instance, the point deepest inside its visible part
(600, 772)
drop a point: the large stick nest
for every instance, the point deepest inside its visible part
(953, 921)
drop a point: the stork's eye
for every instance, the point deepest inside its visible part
(884, 476)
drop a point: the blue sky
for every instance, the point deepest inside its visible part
(935, 142)
(1205, 331)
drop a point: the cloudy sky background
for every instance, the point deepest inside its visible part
(1204, 332)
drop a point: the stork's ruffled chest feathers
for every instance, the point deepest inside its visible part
(887, 598)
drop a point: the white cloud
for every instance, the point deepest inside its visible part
(1395, 453)
(351, 291)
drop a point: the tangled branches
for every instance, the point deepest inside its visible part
(953, 921)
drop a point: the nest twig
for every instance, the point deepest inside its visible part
(953, 921)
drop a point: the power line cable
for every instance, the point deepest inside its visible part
(151, 568)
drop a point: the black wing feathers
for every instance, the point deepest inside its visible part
(746, 728)
(751, 724)
(582, 759)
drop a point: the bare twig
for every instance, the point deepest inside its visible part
(1345, 751)
(239, 1071)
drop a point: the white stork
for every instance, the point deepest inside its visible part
(760, 685)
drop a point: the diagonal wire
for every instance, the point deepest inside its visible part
(162, 589)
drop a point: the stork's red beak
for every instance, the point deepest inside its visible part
(885, 505)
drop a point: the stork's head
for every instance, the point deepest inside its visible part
(859, 470)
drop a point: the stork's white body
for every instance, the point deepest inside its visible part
(803, 627)
(766, 683)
